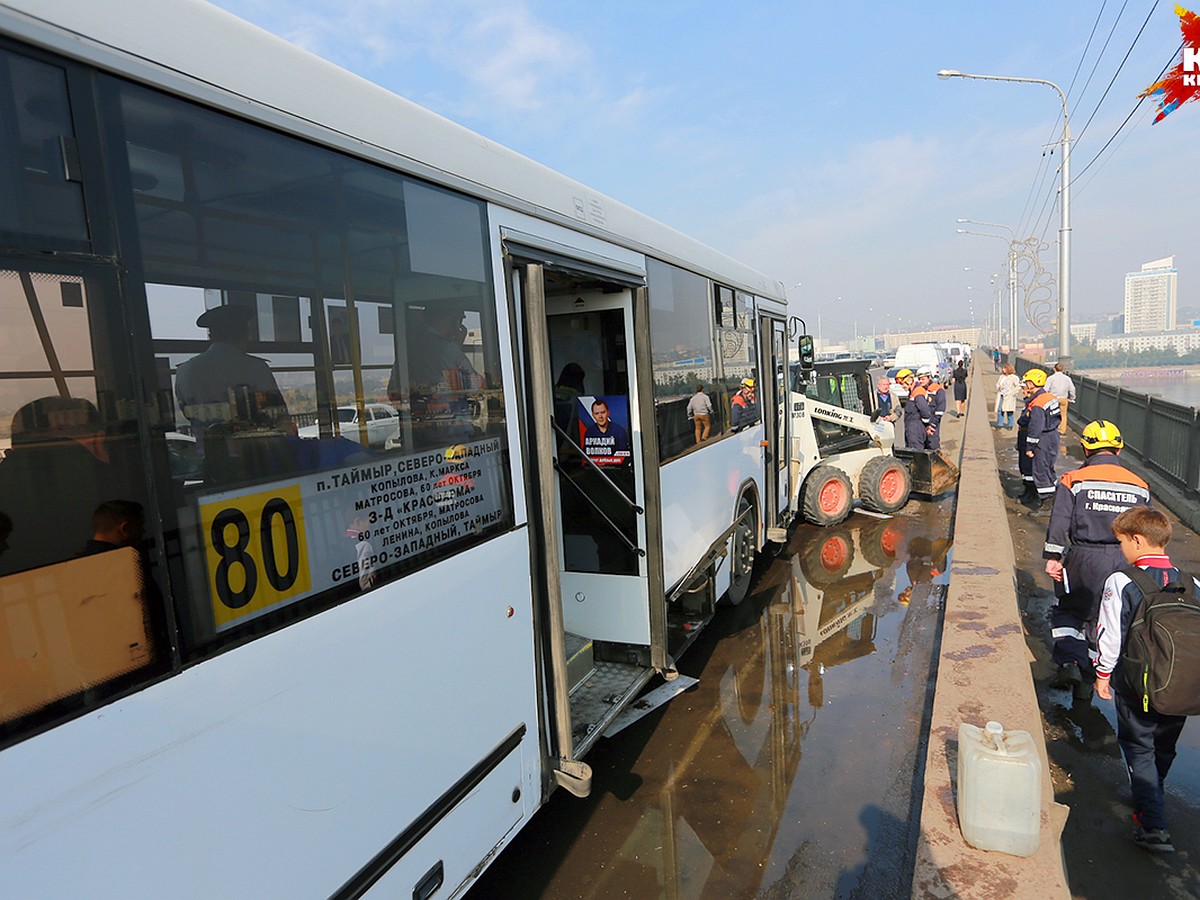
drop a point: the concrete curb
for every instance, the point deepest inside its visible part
(983, 673)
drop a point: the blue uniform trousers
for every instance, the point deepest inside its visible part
(1147, 741)
(1085, 569)
(1041, 469)
(1024, 463)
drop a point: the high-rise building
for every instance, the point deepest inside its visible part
(1151, 297)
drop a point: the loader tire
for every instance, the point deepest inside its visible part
(828, 497)
(828, 558)
(884, 484)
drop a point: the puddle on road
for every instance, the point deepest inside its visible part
(790, 769)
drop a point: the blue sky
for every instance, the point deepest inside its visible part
(811, 139)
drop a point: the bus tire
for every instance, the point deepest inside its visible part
(829, 558)
(743, 552)
(884, 484)
(828, 497)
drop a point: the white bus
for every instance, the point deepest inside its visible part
(338, 661)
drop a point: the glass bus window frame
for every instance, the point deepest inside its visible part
(223, 518)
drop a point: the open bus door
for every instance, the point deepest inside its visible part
(594, 447)
(777, 440)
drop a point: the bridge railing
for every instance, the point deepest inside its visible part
(1164, 435)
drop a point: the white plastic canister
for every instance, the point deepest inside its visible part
(999, 789)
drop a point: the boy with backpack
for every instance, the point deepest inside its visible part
(1155, 683)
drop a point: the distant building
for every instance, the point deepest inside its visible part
(1110, 325)
(1151, 297)
(1182, 341)
(971, 335)
(1084, 332)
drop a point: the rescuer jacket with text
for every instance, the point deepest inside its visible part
(921, 403)
(1044, 415)
(1087, 499)
(937, 398)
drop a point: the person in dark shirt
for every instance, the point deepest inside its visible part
(54, 476)
(885, 407)
(116, 523)
(960, 388)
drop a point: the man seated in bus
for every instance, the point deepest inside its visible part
(437, 375)
(436, 361)
(52, 479)
(115, 524)
(225, 384)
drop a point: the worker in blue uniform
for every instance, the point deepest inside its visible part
(918, 414)
(1081, 550)
(1041, 436)
(936, 395)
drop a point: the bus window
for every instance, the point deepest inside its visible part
(738, 349)
(72, 625)
(38, 146)
(325, 331)
(681, 339)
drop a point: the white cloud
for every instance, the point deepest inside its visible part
(469, 59)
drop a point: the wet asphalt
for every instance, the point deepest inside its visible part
(793, 768)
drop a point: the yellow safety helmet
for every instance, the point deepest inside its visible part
(1100, 434)
(748, 382)
(904, 373)
(1036, 377)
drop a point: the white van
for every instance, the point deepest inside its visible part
(914, 356)
(956, 352)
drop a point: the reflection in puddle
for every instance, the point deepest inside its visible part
(790, 768)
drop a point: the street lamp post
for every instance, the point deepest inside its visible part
(993, 276)
(1013, 323)
(820, 334)
(1064, 227)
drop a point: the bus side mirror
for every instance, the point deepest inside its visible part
(808, 353)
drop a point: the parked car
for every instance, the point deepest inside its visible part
(184, 457)
(382, 423)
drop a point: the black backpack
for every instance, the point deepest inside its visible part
(1160, 661)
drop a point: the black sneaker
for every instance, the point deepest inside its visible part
(1067, 676)
(1083, 690)
(1156, 840)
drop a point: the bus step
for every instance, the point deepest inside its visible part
(649, 702)
(581, 660)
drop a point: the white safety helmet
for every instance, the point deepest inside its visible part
(925, 371)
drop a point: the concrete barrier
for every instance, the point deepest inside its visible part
(983, 674)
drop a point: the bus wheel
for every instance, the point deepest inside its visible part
(828, 497)
(743, 552)
(884, 484)
(828, 559)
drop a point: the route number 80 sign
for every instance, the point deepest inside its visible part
(256, 554)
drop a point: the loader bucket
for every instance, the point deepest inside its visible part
(932, 474)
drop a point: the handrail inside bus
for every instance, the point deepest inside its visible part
(592, 503)
(566, 437)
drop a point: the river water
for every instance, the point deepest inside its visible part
(1176, 384)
